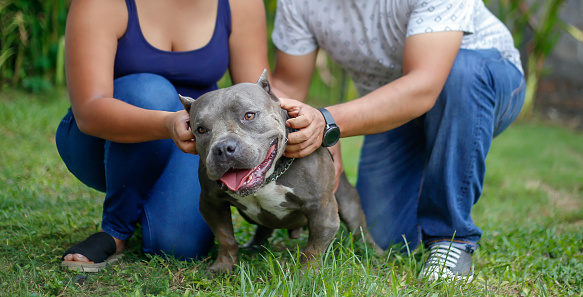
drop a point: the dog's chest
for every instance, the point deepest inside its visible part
(271, 200)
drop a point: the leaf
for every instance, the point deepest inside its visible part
(574, 31)
(5, 55)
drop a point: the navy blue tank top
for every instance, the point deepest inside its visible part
(193, 73)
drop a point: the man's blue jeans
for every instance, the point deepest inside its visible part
(152, 183)
(420, 180)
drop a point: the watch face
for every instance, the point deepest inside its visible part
(331, 136)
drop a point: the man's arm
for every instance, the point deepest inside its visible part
(427, 60)
(291, 79)
(293, 74)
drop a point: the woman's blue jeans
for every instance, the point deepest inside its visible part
(418, 182)
(152, 183)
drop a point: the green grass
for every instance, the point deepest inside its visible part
(531, 214)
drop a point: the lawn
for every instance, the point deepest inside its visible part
(531, 213)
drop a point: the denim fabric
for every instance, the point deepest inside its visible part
(418, 182)
(152, 183)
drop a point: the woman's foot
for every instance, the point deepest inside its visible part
(94, 253)
(119, 247)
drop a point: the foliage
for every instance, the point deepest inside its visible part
(32, 43)
(530, 212)
(538, 25)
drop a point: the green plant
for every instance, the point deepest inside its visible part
(538, 25)
(31, 31)
(546, 35)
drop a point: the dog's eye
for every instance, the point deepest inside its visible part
(249, 116)
(201, 130)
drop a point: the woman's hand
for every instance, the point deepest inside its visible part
(178, 125)
(310, 123)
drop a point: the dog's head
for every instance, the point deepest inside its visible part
(240, 133)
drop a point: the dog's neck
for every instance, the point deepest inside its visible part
(281, 166)
(283, 163)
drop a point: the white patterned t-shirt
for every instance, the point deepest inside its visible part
(366, 37)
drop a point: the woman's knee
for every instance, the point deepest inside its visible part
(82, 154)
(147, 90)
(181, 244)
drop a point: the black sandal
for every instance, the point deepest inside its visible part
(99, 248)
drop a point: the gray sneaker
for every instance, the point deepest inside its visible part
(449, 263)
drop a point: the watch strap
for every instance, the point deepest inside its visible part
(327, 116)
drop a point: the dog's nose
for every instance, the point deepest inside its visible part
(225, 150)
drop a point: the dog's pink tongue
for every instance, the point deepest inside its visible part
(233, 179)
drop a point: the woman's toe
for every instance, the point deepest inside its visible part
(79, 257)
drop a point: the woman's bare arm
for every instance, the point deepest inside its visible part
(93, 28)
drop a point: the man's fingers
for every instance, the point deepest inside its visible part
(307, 120)
(298, 149)
(289, 104)
(298, 137)
(295, 148)
(300, 122)
(297, 152)
(293, 107)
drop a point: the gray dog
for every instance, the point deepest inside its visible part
(241, 136)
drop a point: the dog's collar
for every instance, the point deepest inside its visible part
(285, 161)
(280, 170)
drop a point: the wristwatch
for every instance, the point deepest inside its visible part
(331, 132)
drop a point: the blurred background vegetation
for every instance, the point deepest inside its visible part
(32, 45)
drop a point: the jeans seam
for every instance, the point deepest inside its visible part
(149, 230)
(472, 159)
(421, 182)
(511, 104)
(515, 96)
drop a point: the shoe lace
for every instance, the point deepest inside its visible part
(442, 255)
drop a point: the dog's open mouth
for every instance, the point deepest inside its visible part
(248, 180)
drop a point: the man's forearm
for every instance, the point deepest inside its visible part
(385, 108)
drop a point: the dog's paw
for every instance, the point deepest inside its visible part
(308, 266)
(218, 269)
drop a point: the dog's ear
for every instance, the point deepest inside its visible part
(263, 82)
(186, 102)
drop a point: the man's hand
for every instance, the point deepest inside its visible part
(310, 123)
(178, 124)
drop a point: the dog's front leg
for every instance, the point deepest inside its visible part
(323, 223)
(218, 217)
